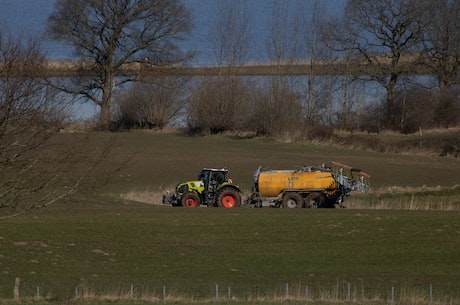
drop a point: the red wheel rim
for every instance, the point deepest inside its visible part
(228, 201)
(190, 202)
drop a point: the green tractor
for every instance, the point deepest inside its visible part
(212, 188)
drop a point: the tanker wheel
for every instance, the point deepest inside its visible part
(190, 200)
(228, 198)
(315, 200)
(292, 200)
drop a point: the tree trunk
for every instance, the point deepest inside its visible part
(104, 116)
(391, 107)
(105, 119)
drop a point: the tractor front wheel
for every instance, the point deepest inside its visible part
(190, 200)
(228, 198)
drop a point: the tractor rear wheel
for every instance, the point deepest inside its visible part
(228, 198)
(292, 200)
(191, 200)
(315, 200)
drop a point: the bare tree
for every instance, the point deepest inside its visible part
(312, 101)
(30, 114)
(441, 54)
(447, 111)
(346, 89)
(317, 91)
(39, 166)
(285, 44)
(110, 34)
(276, 110)
(231, 36)
(217, 103)
(417, 106)
(351, 97)
(385, 35)
(152, 104)
(441, 51)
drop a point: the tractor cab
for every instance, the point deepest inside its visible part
(212, 178)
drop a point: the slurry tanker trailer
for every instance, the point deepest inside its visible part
(308, 187)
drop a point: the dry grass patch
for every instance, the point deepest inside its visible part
(148, 196)
(436, 198)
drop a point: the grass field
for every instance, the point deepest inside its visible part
(103, 246)
(161, 160)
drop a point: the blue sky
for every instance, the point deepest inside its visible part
(29, 17)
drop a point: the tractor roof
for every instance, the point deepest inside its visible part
(215, 169)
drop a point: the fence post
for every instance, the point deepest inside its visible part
(217, 291)
(348, 291)
(131, 294)
(306, 293)
(287, 290)
(38, 292)
(17, 282)
(392, 294)
(431, 293)
(229, 293)
(164, 292)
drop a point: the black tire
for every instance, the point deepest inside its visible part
(190, 200)
(292, 201)
(315, 200)
(228, 198)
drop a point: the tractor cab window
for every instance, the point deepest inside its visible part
(215, 179)
(218, 177)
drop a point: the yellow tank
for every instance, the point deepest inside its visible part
(272, 182)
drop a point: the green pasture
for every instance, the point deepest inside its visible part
(101, 247)
(104, 249)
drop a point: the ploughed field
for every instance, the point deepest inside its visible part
(399, 242)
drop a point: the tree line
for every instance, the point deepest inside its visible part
(392, 38)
